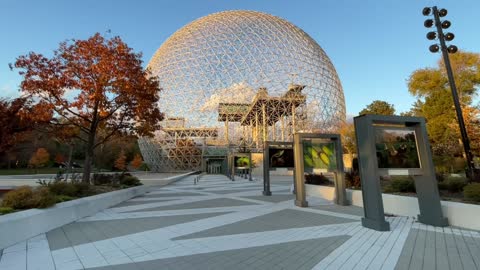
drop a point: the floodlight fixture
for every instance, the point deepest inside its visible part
(431, 35)
(449, 36)
(442, 12)
(428, 23)
(426, 11)
(452, 49)
(434, 48)
(445, 24)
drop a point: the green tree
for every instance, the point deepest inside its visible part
(434, 102)
(466, 71)
(379, 107)
(431, 87)
(347, 131)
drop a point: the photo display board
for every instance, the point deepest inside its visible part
(319, 156)
(281, 157)
(396, 145)
(396, 148)
(241, 162)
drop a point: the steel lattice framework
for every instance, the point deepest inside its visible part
(232, 57)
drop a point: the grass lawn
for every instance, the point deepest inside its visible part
(21, 171)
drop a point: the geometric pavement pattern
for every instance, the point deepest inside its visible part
(229, 225)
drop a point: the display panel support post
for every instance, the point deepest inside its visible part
(426, 186)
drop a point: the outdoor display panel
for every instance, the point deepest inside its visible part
(276, 155)
(317, 153)
(241, 162)
(281, 157)
(396, 145)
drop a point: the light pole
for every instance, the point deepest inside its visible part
(440, 25)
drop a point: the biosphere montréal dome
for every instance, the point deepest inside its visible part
(230, 58)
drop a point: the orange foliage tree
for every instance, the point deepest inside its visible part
(13, 122)
(59, 158)
(94, 84)
(39, 159)
(121, 161)
(137, 161)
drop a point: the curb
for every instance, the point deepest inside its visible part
(20, 226)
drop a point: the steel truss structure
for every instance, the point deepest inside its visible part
(215, 64)
(260, 118)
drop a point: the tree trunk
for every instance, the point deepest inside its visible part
(69, 163)
(90, 145)
(87, 167)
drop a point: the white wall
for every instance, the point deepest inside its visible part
(458, 214)
(20, 226)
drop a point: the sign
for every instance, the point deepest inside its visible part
(281, 157)
(241, 162)
(396, 148)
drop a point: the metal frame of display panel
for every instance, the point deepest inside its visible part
(340, 190)
(266, 162)
(426, 186)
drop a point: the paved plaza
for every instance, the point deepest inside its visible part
(220, 224)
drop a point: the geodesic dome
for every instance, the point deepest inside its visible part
(226, 57)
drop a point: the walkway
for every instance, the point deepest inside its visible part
(219, 224)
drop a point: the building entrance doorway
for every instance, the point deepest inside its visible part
(216, 165)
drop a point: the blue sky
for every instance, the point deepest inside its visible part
(374, 44)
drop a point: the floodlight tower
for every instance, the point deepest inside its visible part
(440, 25)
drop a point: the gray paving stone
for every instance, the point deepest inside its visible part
(419, 251)
(274, 198)
(407, 251)
(232, 190)
(130, 203)
(473, 248)
(351, 209)
(168, 195)
(221, 202)
(441, 256)
(283, 219)
(465, 255)
(437, 250)
(84, 232)
(278, 257)
(452, 251)
(430, 251)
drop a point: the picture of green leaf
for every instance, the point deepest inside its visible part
(318, 156)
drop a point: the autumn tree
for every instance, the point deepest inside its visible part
(121, 161)
(349, 142)
(14, 122)
(379, 107)
(137, 161)
(347, 132)
(431, 87)
(92, 84)
(39, 159)
(106, 154)
(59, 158)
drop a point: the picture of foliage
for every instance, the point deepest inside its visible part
(396, 148)
(281, 158)
(242, 162)
(319, 155)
